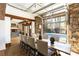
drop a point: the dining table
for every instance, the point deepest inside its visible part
(61, 47)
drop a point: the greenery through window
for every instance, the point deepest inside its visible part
(55, 25)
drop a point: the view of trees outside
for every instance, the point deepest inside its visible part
(55, 25)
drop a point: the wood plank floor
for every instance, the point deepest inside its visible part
(14, 49)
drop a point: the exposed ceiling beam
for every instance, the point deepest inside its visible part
(30, 6)
(58, 9)
(55, 15)
(53, 10)
(43, 7)
(16, 7)
(39, 5)
(18, 17)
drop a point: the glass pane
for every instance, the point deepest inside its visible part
(63, 27)
(59, 19)
(56, 28)
(53, 20)
(48, 25)
(55, 25)
(49, 20)
(56, 19)
(62, 24)
(63, 18)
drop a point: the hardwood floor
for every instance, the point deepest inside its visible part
(14, 49)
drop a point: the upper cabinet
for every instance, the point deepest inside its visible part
(2, 11)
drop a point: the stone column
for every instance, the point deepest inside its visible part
(38, 22)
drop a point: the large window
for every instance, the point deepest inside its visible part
(55, 25)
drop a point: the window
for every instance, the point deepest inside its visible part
(63, 27)
(55, 25)
(63, 18)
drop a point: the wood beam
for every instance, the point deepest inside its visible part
(55, 15)
(54, 10)
(16, 7)
(43, 7)
(26, 23)
(18, 17)
(30, 7)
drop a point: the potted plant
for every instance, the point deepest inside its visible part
(52, 40)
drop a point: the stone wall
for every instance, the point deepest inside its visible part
(74, 26)
(38, 22)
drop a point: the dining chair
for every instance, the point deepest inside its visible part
(22, 42)
(43, 50)
(32, 46)
(31, 42)
(20, 38)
